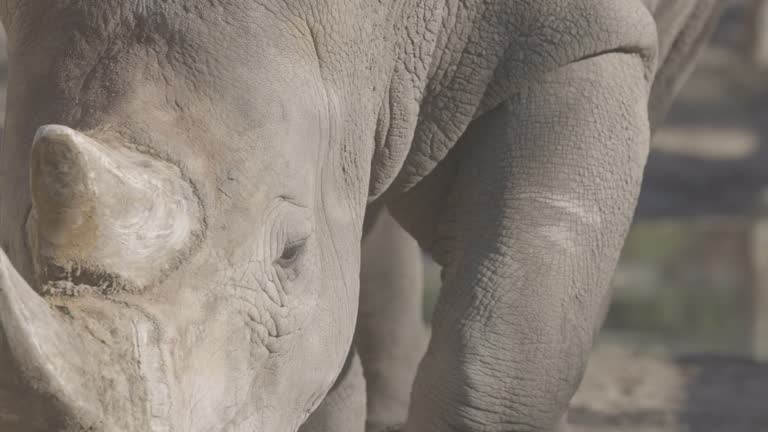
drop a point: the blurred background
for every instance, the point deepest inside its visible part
(685, 346)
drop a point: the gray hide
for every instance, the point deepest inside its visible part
(184, 185)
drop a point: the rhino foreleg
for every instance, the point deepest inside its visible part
(391, 335)
(545, 193)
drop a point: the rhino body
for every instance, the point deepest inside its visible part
(184, 187)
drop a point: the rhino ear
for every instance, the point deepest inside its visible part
(51, 358)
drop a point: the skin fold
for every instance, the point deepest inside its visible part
(182, 241)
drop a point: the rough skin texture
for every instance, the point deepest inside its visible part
(507, 137)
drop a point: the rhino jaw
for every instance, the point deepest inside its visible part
(104, 215)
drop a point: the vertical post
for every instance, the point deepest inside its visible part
(759, 254)
(759, 33)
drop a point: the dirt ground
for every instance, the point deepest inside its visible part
(644, 389)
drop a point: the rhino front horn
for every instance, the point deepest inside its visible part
(47, 351)
(105, 215)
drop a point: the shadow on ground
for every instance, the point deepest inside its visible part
(709, 378)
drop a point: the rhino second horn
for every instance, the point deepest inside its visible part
(45, 348)
(103, 206)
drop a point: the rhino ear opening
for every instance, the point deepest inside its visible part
(51, 358)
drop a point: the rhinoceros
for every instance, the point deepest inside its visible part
(185, 186)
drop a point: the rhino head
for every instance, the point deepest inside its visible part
(182, 236)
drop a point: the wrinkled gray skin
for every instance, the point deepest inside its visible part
(192, 228)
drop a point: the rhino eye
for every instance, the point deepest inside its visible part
(291, 253)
